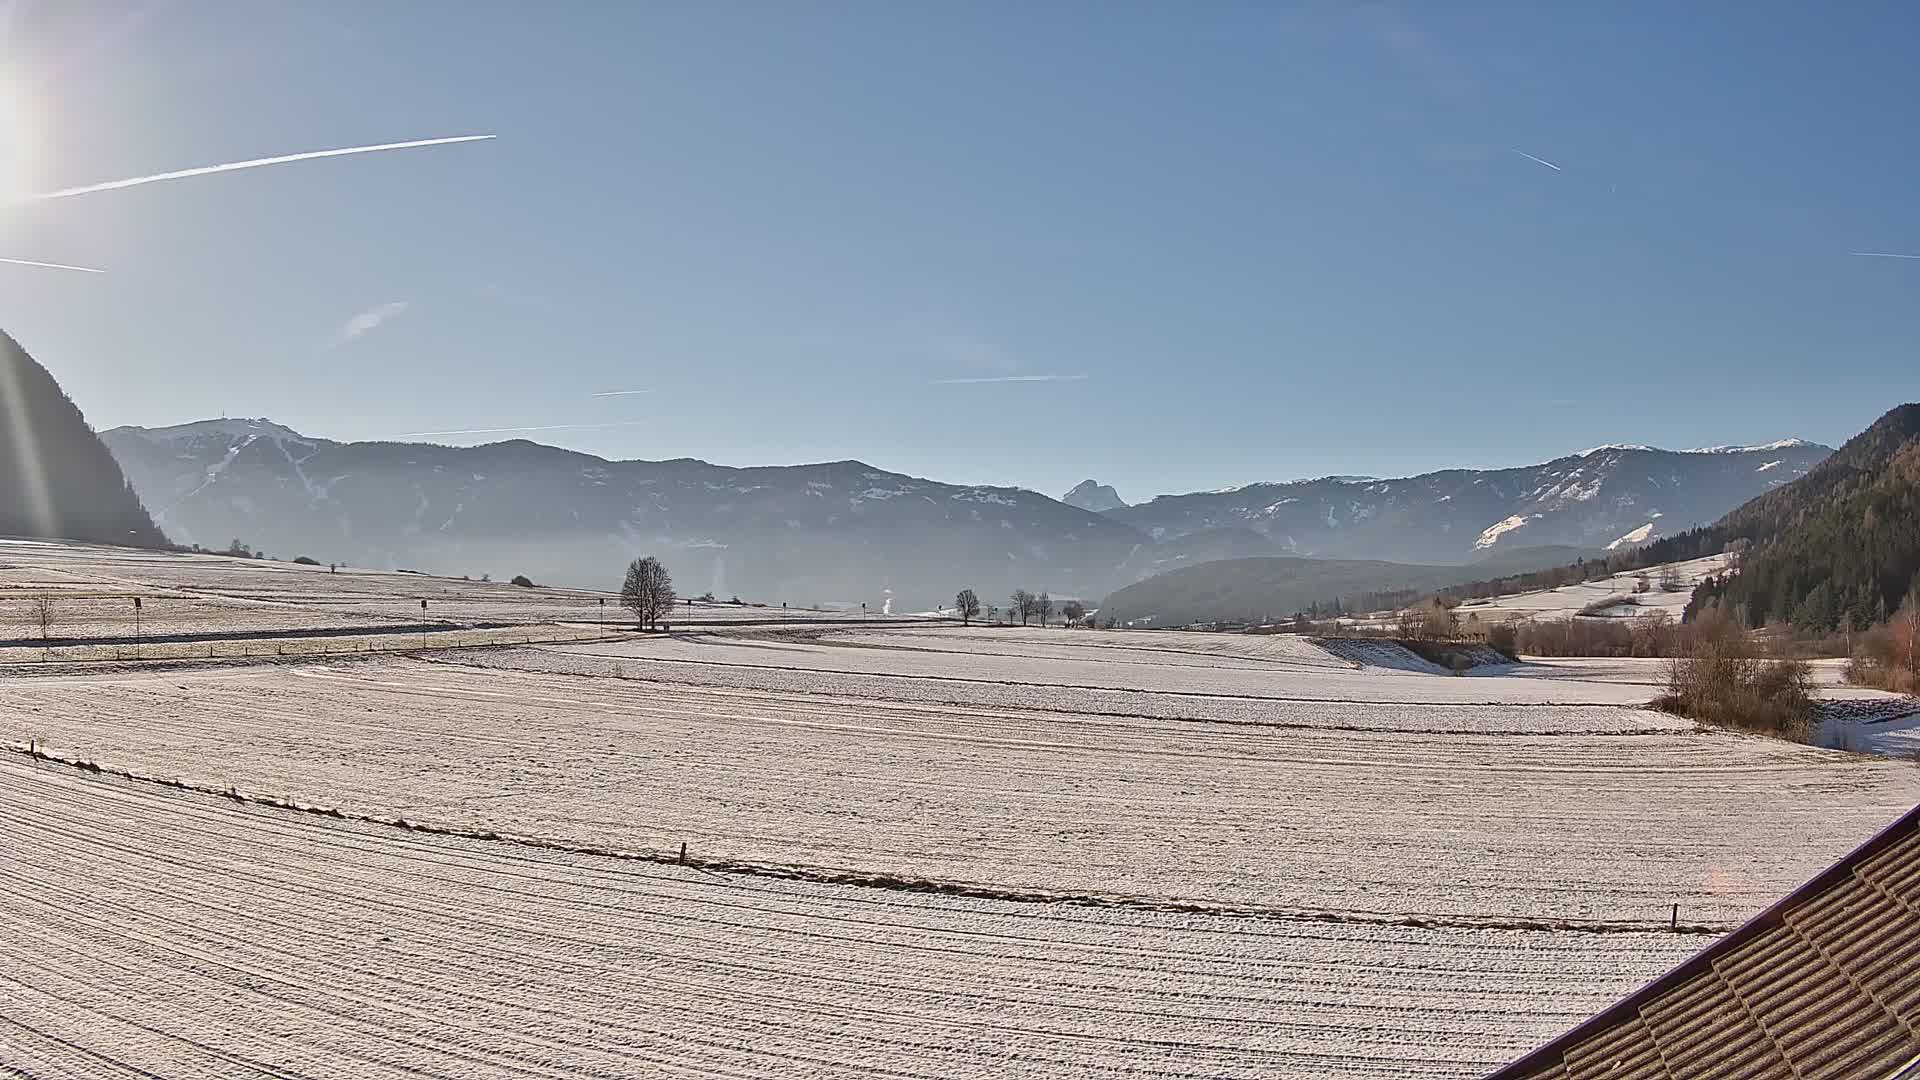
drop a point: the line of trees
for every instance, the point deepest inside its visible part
(1027, 606)
(1024, 605)
(1889, 655)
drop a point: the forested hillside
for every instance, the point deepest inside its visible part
(56, 478)
(1836, 549)
(1839, 548)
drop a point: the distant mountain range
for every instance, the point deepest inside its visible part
(841, 532)
(849, 532)
(1606, 497)
(56, 479)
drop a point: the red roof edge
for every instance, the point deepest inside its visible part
(1629, 1006)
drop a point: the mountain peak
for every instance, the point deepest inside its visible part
(1091, 495)
(237, 427)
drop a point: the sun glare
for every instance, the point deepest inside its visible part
(18, 140)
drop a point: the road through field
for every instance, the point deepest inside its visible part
(173, 936)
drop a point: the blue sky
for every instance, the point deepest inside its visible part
(1264, 240)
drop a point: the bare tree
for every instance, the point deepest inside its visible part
(1431, 621)
(1075, 612)
(1043, 607)
(648, 591)
(1021, 604)
(40, 619)
(967, 604)
(40, 616)
(1670, 579)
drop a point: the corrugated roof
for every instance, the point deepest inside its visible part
(1824, 984)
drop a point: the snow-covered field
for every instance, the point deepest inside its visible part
(92, 589)
(920, 851)
(1323, 678)
(1568, 601)
(154, 933)
(1514, 812)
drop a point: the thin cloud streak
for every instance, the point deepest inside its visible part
(1538, 161)
(255, 163)
(619, 393)
(370, 320)
(1883, 255)
(503, 430)
(52, 266)
(1008, 379)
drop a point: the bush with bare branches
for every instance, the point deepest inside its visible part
(1719, 678)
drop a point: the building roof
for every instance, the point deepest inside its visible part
(1823, 984)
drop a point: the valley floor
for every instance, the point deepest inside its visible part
(156, 933)
(913, 851)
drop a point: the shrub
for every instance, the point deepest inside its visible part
(1888, 656)
(1599, 607)
(523, 581)
(305, 561)
(1719, 679)
(1504, 638)
(1432, 621)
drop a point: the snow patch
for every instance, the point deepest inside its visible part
(1637, 536)
(1768, 465)
(1778, 444)
(1492, 534)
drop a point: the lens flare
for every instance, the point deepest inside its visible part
(19, 140)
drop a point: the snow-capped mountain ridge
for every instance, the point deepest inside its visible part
(846, 529)
(1761, 448)
(1603, 496)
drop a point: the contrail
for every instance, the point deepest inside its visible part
(1539, 161)
(1883, 255)
(1009, 378)
(619, 393)
(232, 166)
(53, 266)
(503, 430)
